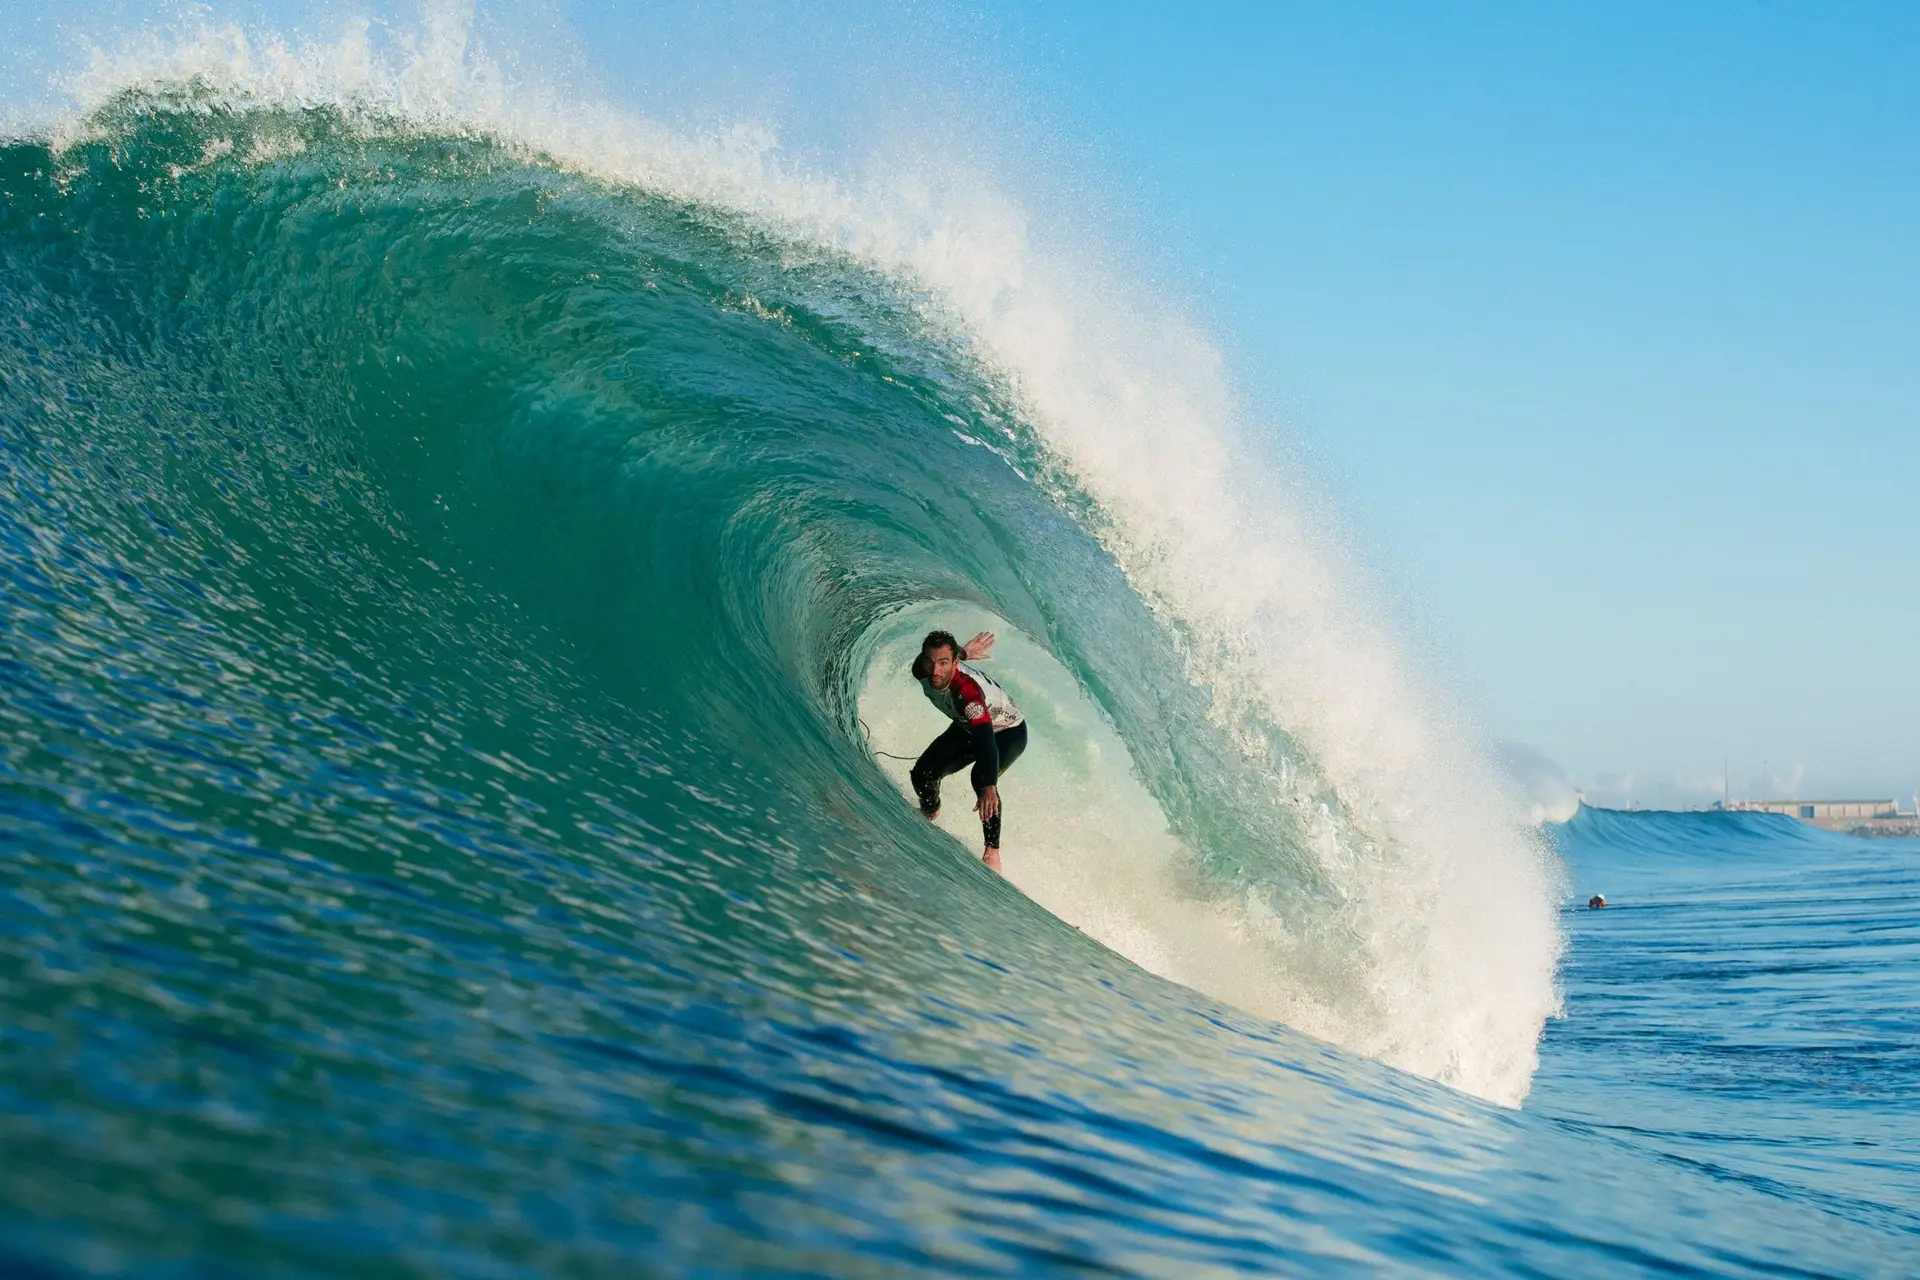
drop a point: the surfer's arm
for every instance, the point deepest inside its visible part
(986, 770)
(979, 647)
(986, 752)
(986, 756)
(988, 806)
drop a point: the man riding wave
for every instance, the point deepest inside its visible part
(988, 731)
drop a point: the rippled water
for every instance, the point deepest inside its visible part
(1749, 1004)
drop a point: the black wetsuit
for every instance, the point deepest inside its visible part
(974, 703)
(962, 745)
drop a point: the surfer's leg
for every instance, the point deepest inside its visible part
(990, 828)
(1009, 743)
(949, 753)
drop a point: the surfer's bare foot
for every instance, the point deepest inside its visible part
(929, 816)
(992, 858)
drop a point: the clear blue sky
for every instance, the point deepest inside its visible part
(1600, 322)
(1605, 324)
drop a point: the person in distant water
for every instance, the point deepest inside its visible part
(988, 731)
(1596, 902)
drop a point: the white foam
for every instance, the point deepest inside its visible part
(1453, 897)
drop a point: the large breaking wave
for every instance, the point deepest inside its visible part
(397, 461)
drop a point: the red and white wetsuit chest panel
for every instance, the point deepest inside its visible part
(971, 698)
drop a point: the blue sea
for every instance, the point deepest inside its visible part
(459, 563)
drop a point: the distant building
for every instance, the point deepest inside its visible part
(1841, 814)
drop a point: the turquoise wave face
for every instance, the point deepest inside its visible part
(437, 590)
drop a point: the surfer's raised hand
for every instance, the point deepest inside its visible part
(978, 647)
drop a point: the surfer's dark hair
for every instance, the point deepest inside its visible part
(923, 665)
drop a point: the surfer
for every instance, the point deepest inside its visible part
(987, 732)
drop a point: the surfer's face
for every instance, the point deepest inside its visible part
(940, 666)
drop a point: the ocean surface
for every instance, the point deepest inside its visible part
(456, 584)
